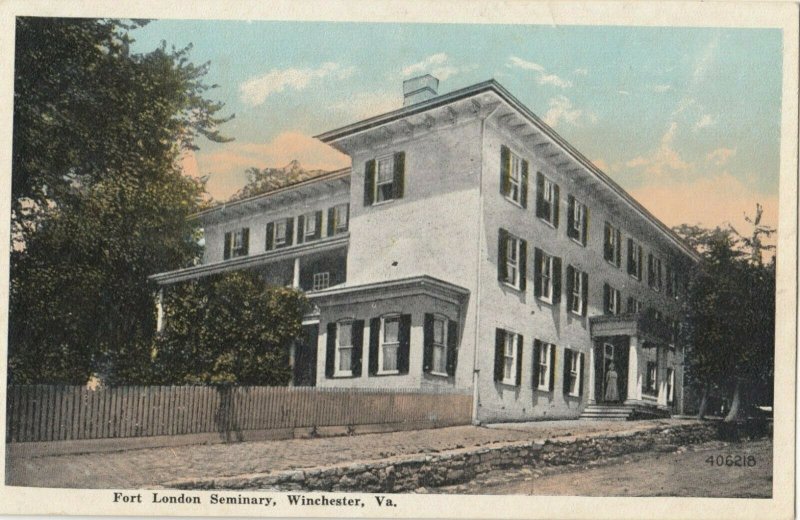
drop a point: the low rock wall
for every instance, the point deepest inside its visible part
(408, 473)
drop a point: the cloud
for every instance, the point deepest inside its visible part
(438, 65)
(256, 90)
(227, 165)
(623, 92)
(601, 163)
(720, 156)
(581, 72)
(561, 109)
(709, 201)
(664, 161)
(704, 121)
(542, 76)
(661, 88)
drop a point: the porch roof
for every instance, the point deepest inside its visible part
(640, 325)
(410, 286)
(250, 261)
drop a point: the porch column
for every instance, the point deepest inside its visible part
(160, 309)
(590, 368)
(634, 390)
(296, 274)
(661, 364)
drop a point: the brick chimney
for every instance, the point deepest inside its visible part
(419, 89)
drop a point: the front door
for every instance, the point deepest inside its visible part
(305, 357)
(610, 385)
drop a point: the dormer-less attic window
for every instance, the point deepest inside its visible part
(236, 243)
(384, 178)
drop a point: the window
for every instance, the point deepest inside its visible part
(338, 217)
(440, 342)
(321, 281)
(612, 244)
(546, 199)
(344, 349)
(577, 220)
(578, 290)
(543, 365)
(508, 352)
(280, 233)
(514, 177)
(654, 272)
(634, 259)
(390, 343)
(236, 243)
(547, 285)
(384, 178)
(670, 385)
(512, 260)
(651, 386)
(573, 370)
(612, 299)
(634, 306)
(674, 333)
(672, 281)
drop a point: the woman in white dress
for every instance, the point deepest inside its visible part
(612, 393)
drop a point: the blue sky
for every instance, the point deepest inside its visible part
(686, 119)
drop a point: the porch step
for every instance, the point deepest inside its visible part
(600, 412)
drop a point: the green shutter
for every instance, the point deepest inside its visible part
(556, 205)
(330, 351)
(301, 229)
(552, 367)
(537, 347)
(369, 182)
(556, 280)
(331, 222)
(523, 264)
(571, 217)
(270, 236)
(358, 347)
(518, 359)
(537, 272)
(227, 248)
(540, 212)
(505, 170)
(499, 348)
(569, 287)
(374, 339)
(585, 295)
(427, 343)
(405, 344)
(452, 347)
(398, 183)
(523, 197)
(567, 372)
(502, 251)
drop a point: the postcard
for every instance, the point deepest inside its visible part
(419, 259)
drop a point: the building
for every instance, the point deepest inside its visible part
(469, 247)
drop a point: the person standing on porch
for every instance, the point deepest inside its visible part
(612, 393)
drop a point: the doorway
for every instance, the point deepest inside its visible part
(305, 357)
(612, 351)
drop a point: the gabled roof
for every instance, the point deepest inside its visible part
(493, 86)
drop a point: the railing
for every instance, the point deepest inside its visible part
(59, 413)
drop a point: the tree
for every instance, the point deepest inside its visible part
(268, 179)
(99, 201)
(229, 328)
(731, 317)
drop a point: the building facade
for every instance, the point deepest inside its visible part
(469, 247)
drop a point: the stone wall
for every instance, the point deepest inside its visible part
(408, 473)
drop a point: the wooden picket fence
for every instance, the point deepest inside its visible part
(60, 413)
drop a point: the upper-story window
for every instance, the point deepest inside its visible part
(338, 219)
(508, 357)
(280, 233)
(321, 281)
(578, 290)
(634, 305)
(611, 300)
(672, 281)
(654, 272)
(236, 243)
(577, 220)
(612, 244)
(546, 199)
(384, 178)
(512, 260)
(547, 286)
(309, 227)
(634, 259)
(513, 177)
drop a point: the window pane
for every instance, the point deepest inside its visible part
(345, 334)
(311, 223)
(391, 329)
(280, 231)
(390, 357)
(509, 346)
(385, 192)
(345, 359)
(438, 331)
(508, 371)
(439, 359)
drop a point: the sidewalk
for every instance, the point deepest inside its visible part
(153, 467)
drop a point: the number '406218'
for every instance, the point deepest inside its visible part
(742, 461)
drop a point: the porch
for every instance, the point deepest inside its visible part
(633, 367)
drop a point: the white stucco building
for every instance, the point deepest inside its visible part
(469, 246)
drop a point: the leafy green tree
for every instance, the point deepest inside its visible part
(229, 328)
(268, 179)
(730, 315)
(98, 199)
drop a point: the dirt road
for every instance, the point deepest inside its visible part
(699, 470)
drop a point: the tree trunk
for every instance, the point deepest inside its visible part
(735, 403)
(701, 412)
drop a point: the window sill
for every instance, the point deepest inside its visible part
(382, 203)
(573, 395)
(576, 314)
(549, 224)
(439, 374)
(548, 301)
(578, 241)
(388, 373)
(508, 383)
(342, 375)
(637, 278)
(514, 202)
(610, 262)
(542, 389)
(511, 286)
